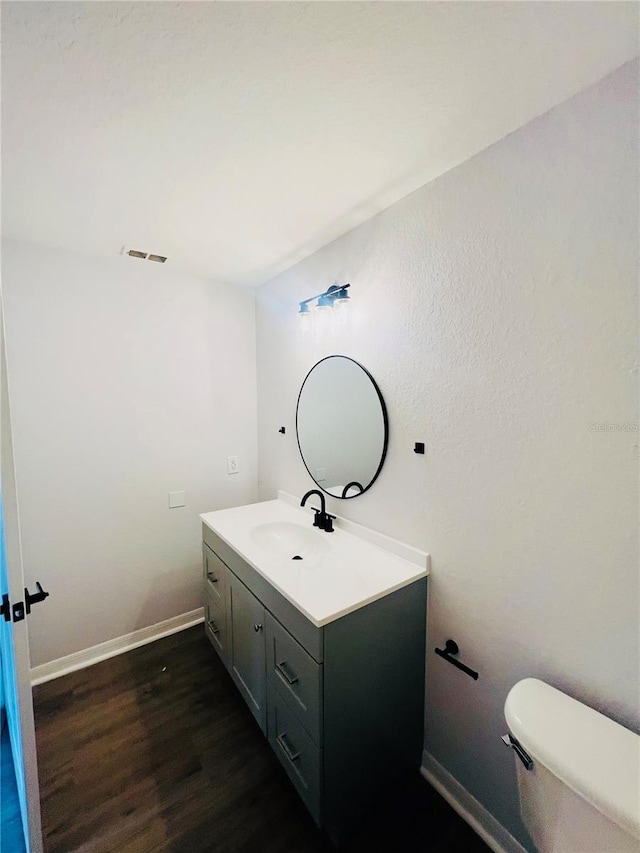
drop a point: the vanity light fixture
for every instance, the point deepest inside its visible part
(328, 315)
(335, 296)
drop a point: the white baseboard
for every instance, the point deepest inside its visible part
(117, 646)
(492, 832)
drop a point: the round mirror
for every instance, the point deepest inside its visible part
(342, 427)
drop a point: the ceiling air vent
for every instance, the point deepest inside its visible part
(149, 256)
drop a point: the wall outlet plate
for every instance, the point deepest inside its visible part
(177, 499)
(232, 465)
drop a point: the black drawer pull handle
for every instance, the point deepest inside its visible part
(213, 627)
(212, 577)
(280, 669)
(284, 746)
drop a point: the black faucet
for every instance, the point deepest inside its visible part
(321, 519)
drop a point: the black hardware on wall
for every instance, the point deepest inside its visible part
(451, 648)
(418, 447)
(282, 430)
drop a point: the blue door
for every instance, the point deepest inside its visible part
(20, 828)
(14, 830)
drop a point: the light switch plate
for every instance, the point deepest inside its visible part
(176, 499)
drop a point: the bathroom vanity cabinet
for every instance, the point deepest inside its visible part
(342, 704)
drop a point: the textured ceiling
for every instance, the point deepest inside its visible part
(239, 137)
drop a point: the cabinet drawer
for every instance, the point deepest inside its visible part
(297, 753)
(296, 676)
(215, 573)
(215, 624)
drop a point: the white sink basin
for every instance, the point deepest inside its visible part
(289, 541)
(338, 573)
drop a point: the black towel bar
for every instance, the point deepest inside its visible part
(451, 648)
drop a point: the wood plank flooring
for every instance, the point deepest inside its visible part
(155, 750)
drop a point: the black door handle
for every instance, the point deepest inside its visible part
(38, 596)
(18, 611)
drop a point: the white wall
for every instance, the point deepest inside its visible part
(497, 309)
(128, 380)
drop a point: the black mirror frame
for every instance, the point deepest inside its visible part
(385, 420)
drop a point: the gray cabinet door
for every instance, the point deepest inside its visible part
(245, 631)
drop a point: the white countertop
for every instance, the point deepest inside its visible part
(349, 568)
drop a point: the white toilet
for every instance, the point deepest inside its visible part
(582, 791)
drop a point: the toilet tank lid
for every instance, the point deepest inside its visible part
(596, 757)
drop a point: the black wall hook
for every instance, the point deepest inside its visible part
(451, 648)
(282, 430)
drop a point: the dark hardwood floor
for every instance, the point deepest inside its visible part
(155, 750)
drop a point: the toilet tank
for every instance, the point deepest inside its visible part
(582, 794)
